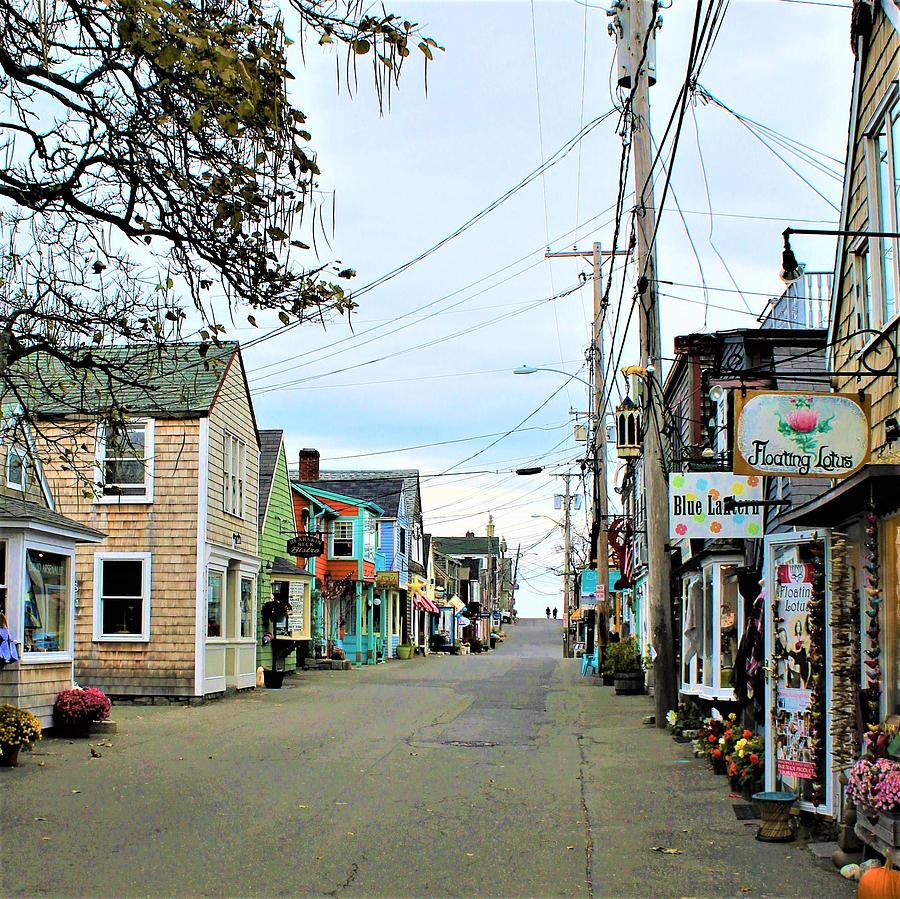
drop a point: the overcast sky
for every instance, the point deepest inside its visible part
(405, 179)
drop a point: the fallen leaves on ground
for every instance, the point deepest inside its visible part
(666, 850)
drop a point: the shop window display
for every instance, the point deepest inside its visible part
(214, 605)
(713, 624)
(46, 612)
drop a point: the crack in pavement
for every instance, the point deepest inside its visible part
(586, 818)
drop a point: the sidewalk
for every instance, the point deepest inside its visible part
(642, 790)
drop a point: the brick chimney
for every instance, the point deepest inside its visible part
(309, 465)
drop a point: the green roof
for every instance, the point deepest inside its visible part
(165, 381)
(463, 547)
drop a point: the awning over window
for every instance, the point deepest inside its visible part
(422, 602)
(875, 486)
(576, 614)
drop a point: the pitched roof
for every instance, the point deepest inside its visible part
(463, 547)
(284, 566)
(409, 476)
(269, 449)
(325, 489)
(166, 381)
(384, 491)
(13, 508)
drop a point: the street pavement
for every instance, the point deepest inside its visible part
(506, 774)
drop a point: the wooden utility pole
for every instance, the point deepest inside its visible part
(597, 417)
(567, 549)
(652, 411)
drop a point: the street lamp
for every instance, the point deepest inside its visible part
(530, 370)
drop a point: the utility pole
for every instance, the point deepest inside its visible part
(514, 585)
(567, 549)
(641, 20)
(597, 418)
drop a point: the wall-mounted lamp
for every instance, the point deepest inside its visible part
(716, 393)
(891, 430)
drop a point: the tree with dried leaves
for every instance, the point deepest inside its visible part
(144, 136)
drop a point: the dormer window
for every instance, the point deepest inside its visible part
(17, 468)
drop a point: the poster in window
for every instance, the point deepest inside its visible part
(794, 731)
(296, 594)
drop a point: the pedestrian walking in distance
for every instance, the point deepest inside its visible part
(554, 613)
(548, 613)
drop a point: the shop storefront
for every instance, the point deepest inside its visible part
(712, 625)
(38, 598)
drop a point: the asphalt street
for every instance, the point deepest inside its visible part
(504, 774)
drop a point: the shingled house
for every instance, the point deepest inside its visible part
(167, 466)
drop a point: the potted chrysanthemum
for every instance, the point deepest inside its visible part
(76, 710)
(18, 728)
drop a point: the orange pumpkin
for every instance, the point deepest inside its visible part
(880, 883)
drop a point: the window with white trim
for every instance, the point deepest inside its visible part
(883, 176)
(369, 528)
(125, 461)
(247, 607)
(215, 603)
(47, 618)
(235, 469)
(17, 467)
(122, 596)
(342, 541)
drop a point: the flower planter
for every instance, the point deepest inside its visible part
(719, 765)
(884, 826)
(9, 756)
(273, 679)
(405, 651)
(629, 682)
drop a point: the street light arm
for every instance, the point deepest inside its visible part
(530, 370)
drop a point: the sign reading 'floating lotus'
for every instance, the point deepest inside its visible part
(811, 435)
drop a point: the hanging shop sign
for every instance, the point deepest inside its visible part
(589, 579)
(810, 435)
(306, 546)
(697, 505)
(795, 727)
(296, 597)
(387, 579)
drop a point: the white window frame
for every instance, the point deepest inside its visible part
(370, 526)
(342, 523)
(21, 453)
(234, 475)
(48, 658)
(222, 573)
(149, 426)
(145, 559)
(890, 103)
(251, 579)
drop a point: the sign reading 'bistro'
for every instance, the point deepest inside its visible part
(697, 505)
(306, 546)
(810, 435)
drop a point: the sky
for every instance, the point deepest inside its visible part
(433, 389)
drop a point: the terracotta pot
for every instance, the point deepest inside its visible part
(9, 756)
